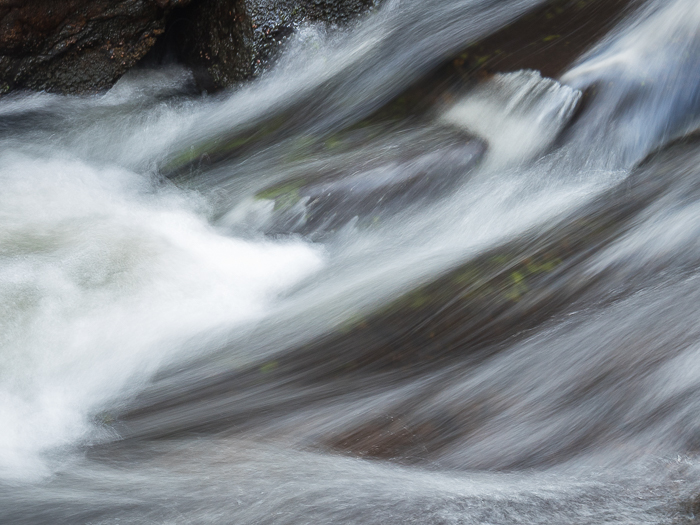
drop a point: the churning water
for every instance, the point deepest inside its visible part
(209, 305)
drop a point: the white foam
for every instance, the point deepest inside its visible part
(519, 114)
(101, 278)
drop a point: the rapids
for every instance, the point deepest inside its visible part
(270, 306)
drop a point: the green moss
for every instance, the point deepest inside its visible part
(466, 276)
(218, 148)
(285, 195)
(268, 367)
(487, 284)
(418, 299)
(287, 200)
(333, 142)
(500, 259)
(352, 323)
(516, 292)
(105, 418)
(275, 191)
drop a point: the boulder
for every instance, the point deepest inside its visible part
(76, 46)
(84, 46)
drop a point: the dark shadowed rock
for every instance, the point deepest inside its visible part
(76, 46)
(227, 41)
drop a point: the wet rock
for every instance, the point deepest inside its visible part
(441, 329)
(227, 41)
(466, 314)
(527, 43)
(448, 325)
(84, 46)
(323, 202)
(549, 39)
(76, 46)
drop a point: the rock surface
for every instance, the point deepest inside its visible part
(84, 46)
(76, 46)
(227, 41)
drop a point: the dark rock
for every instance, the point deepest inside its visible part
(527, 43)
(227, 41)
(215, 39)
(691, 508)
(76, 46)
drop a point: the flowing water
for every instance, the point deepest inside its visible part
(209, 305)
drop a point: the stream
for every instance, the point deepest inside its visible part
(282, 304)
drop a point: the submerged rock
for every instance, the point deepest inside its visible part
(448, 325)
(76, 46)
(549, 39)
(519, 114)
(526, 44)
(323, 202)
